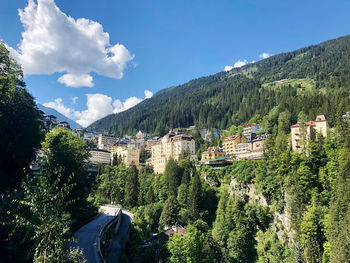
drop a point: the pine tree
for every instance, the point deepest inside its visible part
(172, 175)
(170, 212)
(131, 187)
(195, 195)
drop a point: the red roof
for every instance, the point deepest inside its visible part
(231, 138)
(310, 123)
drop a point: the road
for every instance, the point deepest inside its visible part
(120, 239)
(87, 235)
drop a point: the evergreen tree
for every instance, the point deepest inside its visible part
(338, 226)
(195, 195)
(131, 187)
(172, 175)
(170, 212)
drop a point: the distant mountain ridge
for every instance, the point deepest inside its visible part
(61, 117)
(313, 79)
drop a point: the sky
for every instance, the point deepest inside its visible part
(88, 58)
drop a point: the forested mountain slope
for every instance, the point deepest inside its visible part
(310, 79)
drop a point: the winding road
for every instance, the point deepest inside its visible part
(87, 236)
(119, 241)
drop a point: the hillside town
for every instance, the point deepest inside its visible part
(248, 145)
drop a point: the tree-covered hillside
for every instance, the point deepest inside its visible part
(309, 79)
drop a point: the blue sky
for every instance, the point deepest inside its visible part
(163, 43)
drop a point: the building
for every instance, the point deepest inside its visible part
(103, 141)
(303, 132)
(250, 130)
(136, 144)
(243, 148)
(128, 154)
(150, 143)
(230, 142)
(257, 144)
(212, 153)
(99, 156)
(171, 146)
(64, 124)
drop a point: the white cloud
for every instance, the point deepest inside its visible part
(76, 81)
(54, 42)
(264, 55)
(74, 99)
(148, 94)
(237, 64)
(58, 105)
(240, 63)
(98, 106)
(228, 68)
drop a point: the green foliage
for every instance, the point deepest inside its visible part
(234, 97)
(195, 197)
(271, 249)
(188, 248)
(170, 212)
(111, 185)
(173, 177)
(69, 153)
(131, 187)
(20, 125)
(46, 197)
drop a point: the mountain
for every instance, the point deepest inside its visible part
(313, 79)
(61, 117)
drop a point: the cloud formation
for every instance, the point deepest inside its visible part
(98, 106)
(264, 55)
(237, 64)
(54, 42)
(228, 68)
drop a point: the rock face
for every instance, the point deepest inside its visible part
(282, 221)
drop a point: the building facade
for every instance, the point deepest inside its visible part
(230, 142)
(213, 153)
(104, 141)
(171, 146)
(250, 130)
(129, 155)
(99, 156)
(301, 133)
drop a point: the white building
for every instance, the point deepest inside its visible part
(251, 129)
(171, 146)
(100, 156)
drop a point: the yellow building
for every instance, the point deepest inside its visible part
(303, 132)
(129, 155)
(212, 153)
(171, 146)
(230, 142)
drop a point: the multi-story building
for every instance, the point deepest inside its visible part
(128, 154)
(150, 143)
(257, 145)
(171, 146)
(100, 156)
(303, 132)
(213, 153)
(230, 142)
(104, 141)
(250, 130)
